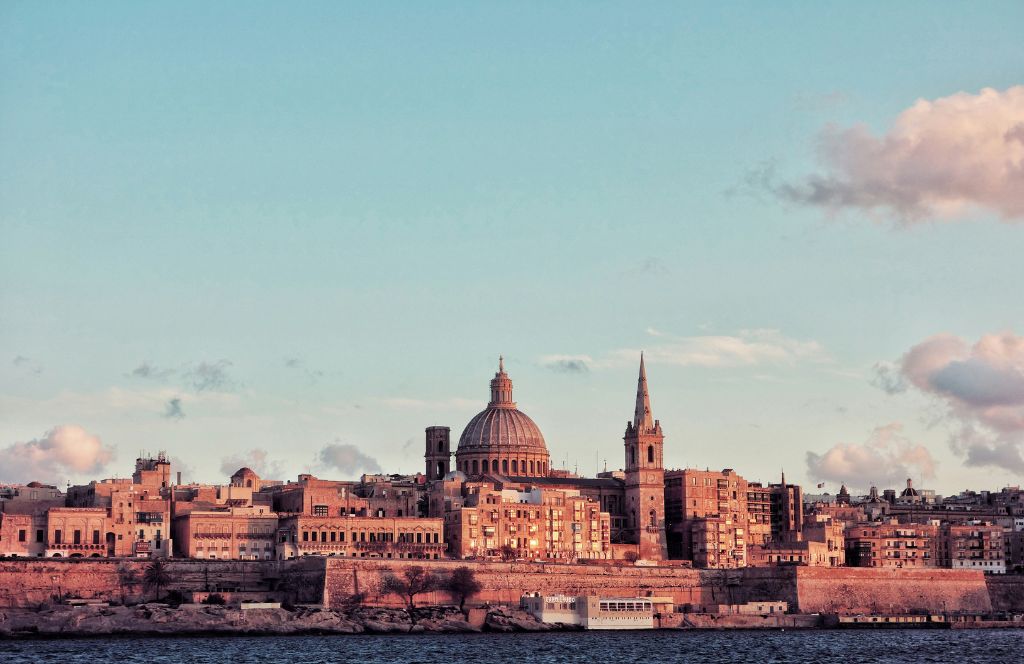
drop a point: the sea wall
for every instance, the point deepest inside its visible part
(334, 582)
(30, 582)
(1006, 592)
(505, 583)
(862, 590)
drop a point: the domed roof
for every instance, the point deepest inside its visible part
(501, 424)
(910, 491)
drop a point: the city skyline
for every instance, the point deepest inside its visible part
(294, 241)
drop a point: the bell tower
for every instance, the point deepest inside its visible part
(645, 476)
(438, 453)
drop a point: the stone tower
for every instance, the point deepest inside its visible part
(438, 452)
(645, 476)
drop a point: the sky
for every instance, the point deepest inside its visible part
(293, 236)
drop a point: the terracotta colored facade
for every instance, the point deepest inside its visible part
(892, 545)
(361, 537)
(238, 533)
(535, 525)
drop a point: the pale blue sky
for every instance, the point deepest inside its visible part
(388, 196)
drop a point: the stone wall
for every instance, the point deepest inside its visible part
(333, 581)
(1006, 591)
(504, 583)
(806, 589)
(862, 590)
(25, 583)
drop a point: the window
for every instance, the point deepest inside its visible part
(515, 466)
(319, 510)
(78, 537)
(21, 535)
(57, 537)
(504, 465)
(650, 454)
(39, 535)
(95, 537)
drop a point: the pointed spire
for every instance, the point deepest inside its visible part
(642, 418)
(501, 364)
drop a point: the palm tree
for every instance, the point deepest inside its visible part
(156, 576)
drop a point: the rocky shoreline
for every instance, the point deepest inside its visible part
(193, 620)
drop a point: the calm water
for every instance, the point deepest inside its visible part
(848, 647)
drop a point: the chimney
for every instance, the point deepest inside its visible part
(179, 477)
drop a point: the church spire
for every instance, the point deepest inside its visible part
(642, 419)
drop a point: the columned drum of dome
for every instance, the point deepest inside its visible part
(502, 439)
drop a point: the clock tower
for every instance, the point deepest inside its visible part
(645, 477)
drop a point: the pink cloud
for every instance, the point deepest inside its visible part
(886, 459)
(939, 159)
(65, 450)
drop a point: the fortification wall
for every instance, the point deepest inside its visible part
(334, 580)
(862, 590)
(504, 583)
(26, 583)
(1007, 592)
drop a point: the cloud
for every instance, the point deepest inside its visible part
(347, 459)
(887, 377)
(148, 371)
(982, 388)
(256, 459)
(567, 364)
(939, 159)
(210, 376)
(887, 458)
(64, 451)
(173, 409)
(296, 364)
(27, 364)
(746, 348)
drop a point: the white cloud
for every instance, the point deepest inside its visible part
(940, 159)
(63, 452)
(745, 349)
(886, 459)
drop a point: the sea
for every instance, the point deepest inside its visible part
(632, 647)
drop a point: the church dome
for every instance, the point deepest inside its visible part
(501, 427)
(501, 438)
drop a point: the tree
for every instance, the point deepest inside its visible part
(156, 576)
(631, 556)
(127, 578)
(414, 581)
(462, 584)
(508, 552)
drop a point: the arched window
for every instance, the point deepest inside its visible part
(475, 467)
(515, 466)
(440, 468)
(632, 455)
(650, 454)
(494, 465)
(654, 519)
(440, 446)
(531, 467)
(504, 465)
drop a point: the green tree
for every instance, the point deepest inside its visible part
(156, 576)
(462, 584)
